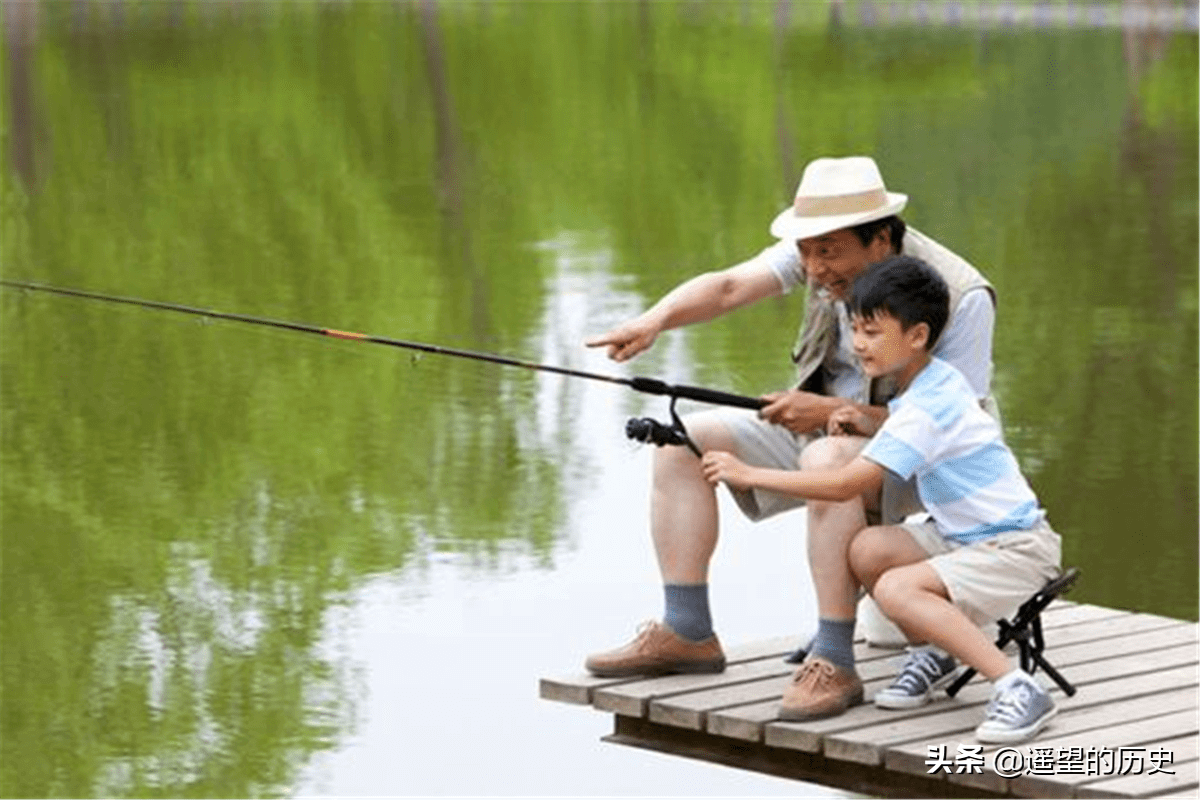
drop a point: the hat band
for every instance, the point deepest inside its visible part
(837, 205)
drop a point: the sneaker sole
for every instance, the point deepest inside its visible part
(1017, 735)
(906, 703)
(903, 703)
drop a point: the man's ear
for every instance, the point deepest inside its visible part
(881, 245)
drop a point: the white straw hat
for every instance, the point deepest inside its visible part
(837, 193)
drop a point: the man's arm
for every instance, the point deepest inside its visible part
(699, 299)
(837, 485)
(803, 412)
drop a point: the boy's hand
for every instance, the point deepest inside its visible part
(720, 466)
(849, 421)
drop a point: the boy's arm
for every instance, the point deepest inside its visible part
(837, 485)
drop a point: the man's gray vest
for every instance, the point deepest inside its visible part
(819, 332)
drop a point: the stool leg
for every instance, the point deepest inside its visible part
(960, 682)
(1054, 674)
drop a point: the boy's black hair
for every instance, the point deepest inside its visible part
(905, 288)
(895, 227)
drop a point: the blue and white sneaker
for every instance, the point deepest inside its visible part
(1019, 709)
(926, 670)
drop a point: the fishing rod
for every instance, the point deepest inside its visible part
(645, 430)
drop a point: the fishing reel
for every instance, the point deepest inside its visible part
(650, 431)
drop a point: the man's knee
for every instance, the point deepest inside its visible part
(829, 452)
(707, 431)
(877, 549)
(868, 556)
(892, 590)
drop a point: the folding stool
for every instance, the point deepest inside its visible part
(1025, 629)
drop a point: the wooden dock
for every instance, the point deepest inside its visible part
(1130, 730)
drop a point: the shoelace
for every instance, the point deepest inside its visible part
(1012, 706)
(643, 632)
(922, 669)
(814, 672)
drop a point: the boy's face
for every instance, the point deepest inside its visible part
(884, 347)
(833, 260)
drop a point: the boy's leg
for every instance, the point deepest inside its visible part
(917, 599)
(927, 667)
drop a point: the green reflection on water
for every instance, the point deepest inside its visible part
(183, 503)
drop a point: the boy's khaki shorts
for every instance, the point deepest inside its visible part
(990, 579)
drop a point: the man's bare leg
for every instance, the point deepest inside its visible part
(831, 527)
(684, 525)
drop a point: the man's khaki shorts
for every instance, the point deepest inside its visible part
(762, 444)
(990, 579)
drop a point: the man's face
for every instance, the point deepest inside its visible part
(833, 260)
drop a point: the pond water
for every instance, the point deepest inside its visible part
(239, 561)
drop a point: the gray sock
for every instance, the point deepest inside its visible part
(835, 642)
(687, 610)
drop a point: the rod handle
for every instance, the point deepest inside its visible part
(655, 386)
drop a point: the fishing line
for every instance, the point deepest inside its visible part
(645, 430)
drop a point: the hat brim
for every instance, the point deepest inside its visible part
(789, 226)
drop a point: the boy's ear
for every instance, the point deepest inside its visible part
(919, 335)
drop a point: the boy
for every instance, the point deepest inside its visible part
(986, 547)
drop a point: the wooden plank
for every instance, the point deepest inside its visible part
(865, 744)
(839, 736)
(813, 768)
(579, 688)
(1056, 784)
(576, 689)
(1106, 628)
(1086, 640)
(1138, 680)
(811, 736)
(1182, 781)
(746, 722)
(749, 721)
(632, 698)
(742, 722)
(1062, 612)
(1179, 726)
(911, 756)
(1137, 642)
(1083, 627)
(689, 709)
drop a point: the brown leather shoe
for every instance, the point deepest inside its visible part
(820, 689)
(658, 650)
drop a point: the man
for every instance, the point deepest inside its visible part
(842, 220)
